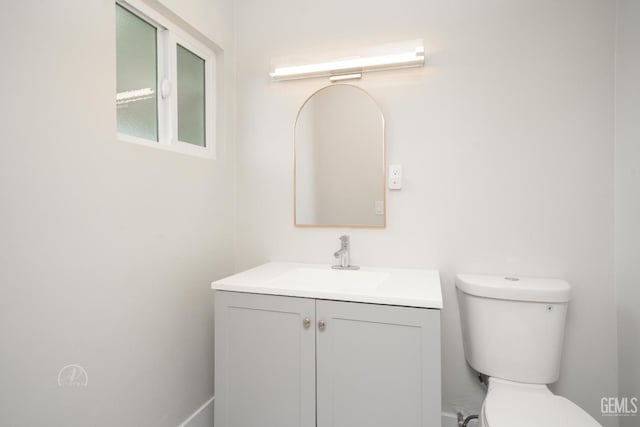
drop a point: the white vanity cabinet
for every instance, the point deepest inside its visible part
(292, 361)
(265, 367)
(377, 365)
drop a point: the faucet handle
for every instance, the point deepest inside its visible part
(344, 238)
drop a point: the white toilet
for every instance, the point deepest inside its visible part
(512, 329)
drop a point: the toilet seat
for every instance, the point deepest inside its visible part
(513, 406)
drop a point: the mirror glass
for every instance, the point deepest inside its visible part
(339, 159)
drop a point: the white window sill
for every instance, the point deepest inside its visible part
(178, 147)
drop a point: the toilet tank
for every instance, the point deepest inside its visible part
(513, 328)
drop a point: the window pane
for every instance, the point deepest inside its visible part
(136, 56)
(191, 99)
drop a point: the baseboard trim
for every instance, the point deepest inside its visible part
(448, 419)
(201, 412)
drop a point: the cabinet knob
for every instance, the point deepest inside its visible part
(306, 323)
(321, 325)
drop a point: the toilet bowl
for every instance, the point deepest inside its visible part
(511, 404)
(513, 333)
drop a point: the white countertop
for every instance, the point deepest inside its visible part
(391, 286)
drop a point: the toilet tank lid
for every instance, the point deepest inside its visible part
(514, 288)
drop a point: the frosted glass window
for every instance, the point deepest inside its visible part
(137, 76)
(191, 97)
(165, 82)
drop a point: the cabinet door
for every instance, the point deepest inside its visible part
(265, 361)
(377, 365)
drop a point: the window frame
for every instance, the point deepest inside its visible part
(168, 36)
(209, 59)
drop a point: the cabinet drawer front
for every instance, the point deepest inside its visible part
(377, 365)
(265, 361)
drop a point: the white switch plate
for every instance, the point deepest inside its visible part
(395, 177)
(379, 207)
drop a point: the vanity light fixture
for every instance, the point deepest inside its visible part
(340, 77)
(353, 67)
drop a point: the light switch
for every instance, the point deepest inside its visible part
(379, 207)
(395, 177)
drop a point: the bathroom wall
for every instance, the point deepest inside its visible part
(507, 142)
(107, 248)
(627, 185)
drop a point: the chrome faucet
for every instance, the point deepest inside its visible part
(344, 256)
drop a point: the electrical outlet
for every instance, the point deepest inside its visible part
(395, 177)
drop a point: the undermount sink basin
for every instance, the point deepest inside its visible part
(391, 286)
(327, 278)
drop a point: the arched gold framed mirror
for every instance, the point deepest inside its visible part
(339, 160)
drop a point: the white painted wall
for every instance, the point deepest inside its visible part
(107, 249)
(627, 230)
(506, 139)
